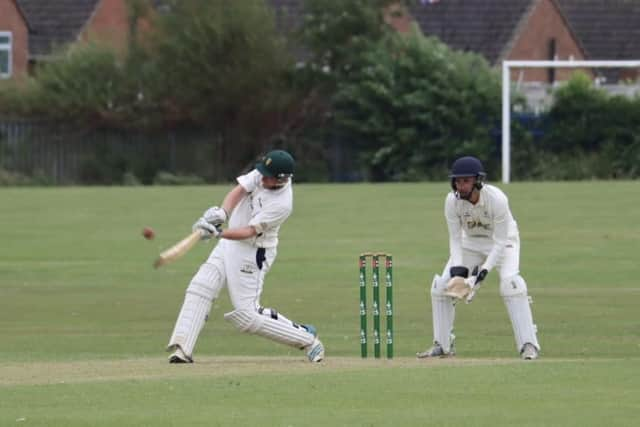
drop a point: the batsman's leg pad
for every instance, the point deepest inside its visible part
(443, 312)
(276, 315)
(514, 293)
(254, 323)
(203, 289)
(207, 282)
(270, 312)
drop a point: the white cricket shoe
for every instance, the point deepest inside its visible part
(315, 351)
(435, 351)
(438, 351)
(178, 356)
(529, 352)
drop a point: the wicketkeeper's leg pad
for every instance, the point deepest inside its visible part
(514, 293)
(252, 322)
(203, 289)
(443, 312)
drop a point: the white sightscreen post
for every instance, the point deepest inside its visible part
(506, 97)
(506, 122)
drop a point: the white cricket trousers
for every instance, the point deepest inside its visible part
(242, 269)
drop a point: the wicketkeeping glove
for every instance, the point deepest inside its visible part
(474, 282)
(208, 230)
(215, 215)
(458, 287)
(459, 271)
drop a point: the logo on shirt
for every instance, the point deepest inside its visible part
(473, 223)
(253, 200)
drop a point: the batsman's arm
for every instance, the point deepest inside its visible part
(239, 233)
(233, 197)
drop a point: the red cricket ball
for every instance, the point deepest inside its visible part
(148, 233)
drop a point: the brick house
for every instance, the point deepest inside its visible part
(536, 30)
(14, 39)
(517, 29)
(496, 29)
(504, 30)
(608, 29)
(30, 30)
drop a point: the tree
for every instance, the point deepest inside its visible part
(218, 60)
(413, 105)
(335, 36)
(210, 64)
(84, 85)
(592, 135)
(337, 30)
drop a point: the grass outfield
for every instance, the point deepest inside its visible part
(84, 318)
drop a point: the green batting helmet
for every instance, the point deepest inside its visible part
(276, 163)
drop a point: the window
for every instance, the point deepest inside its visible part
(5, 54)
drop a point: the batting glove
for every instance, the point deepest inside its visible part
(208, 230)
(215, 215)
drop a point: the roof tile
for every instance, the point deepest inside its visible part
(608, 29)
(55, 23)
(484, 27)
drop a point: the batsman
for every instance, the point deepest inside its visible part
(245, 252)
(483, 235)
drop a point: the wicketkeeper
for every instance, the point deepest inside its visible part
(246, 250)
(482, 236)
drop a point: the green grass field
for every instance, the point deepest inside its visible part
(84, 318)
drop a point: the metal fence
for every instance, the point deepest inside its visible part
(65, 155)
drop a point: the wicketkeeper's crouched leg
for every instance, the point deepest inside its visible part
(514, 293)
(201, 292)
(443, 313)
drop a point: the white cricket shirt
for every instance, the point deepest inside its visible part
(486, 227)
(263, 209)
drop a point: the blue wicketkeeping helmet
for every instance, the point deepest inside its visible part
(467, 166)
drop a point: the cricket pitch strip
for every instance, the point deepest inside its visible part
(35, 373)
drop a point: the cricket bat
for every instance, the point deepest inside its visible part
(179, 249)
